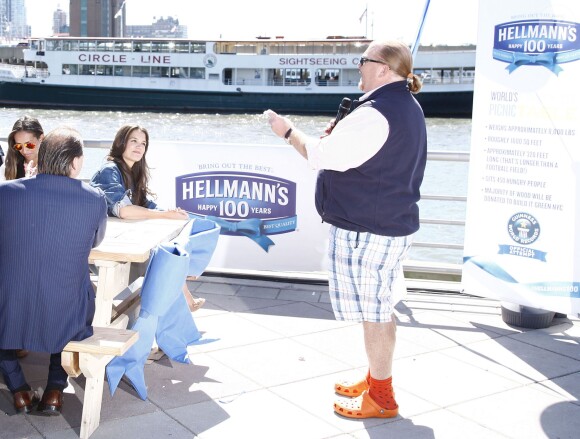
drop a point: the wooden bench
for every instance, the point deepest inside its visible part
(89, 357)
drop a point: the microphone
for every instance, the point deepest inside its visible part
(342, 111)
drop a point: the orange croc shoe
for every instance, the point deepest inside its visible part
(346, 388)
(363, 407)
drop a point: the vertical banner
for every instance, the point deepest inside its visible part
(262, 196)
(522, 238)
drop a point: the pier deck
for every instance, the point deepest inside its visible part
(459, 372)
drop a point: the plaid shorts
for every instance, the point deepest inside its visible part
(366, 275)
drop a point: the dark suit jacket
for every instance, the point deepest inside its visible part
(48, 225)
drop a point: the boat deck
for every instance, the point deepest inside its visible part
(274, 351)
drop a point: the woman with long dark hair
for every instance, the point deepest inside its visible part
(125, 178)
(23, 145)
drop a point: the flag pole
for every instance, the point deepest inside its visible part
(415, 46)
(367, 20)
(366, 16)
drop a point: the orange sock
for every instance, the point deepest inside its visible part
(381, 391)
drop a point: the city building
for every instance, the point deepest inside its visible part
(13, 25)
(97, 18)
(59, 22)
(162, 28)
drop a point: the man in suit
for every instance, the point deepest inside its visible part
(48, 225)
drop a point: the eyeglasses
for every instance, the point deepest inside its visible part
(364, 59)
(20, 146)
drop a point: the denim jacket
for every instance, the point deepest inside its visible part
(110, 181)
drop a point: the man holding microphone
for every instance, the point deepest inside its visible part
(371, 166)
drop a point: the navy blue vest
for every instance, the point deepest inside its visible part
(381, 195)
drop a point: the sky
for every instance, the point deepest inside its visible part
(303, 19)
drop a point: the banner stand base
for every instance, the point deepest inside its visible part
(525, 316)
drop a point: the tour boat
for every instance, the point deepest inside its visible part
(288, 76)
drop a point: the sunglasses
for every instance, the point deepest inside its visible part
(20, 146)
(364, 59)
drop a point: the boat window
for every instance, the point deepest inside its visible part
(123, 46)
(296, 76)
(144, 46)
(245, 49)
(158, 72)
(161, 46)
(85, 69)
(327, 77)
(104, 70)
(468, 75)
(197, 73)
(181, 47)
(85, 45)
(224, 48)
(122, 70)
(197, 47)
(141, 71)
(53, 45)
(70, 45)
(105, 46)
(214, 77)
(70, 69)
(178, 72)
(304, 49)
(274, 76)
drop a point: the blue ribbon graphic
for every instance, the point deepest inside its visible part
(560, 289)
(547, 60)
(251, 228)
(523, 252)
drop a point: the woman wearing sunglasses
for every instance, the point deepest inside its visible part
(124, 179)
(23, 143)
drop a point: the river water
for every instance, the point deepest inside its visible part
(442, 178)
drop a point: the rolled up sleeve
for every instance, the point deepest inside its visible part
(110, 181)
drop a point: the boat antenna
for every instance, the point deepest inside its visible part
(415, 47)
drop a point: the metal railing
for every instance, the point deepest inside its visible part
(443, 156)
(416, 269)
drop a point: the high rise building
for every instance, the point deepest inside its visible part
(59, 22)
(97, 18)
(162, 28)
(13, 20)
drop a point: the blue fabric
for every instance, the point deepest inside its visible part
(176, 330)
(165, 273)
(164, 312)
(110, 180)
(131, 364)
(200, 238)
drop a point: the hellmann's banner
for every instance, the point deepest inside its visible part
(522, 238)
(262, 196)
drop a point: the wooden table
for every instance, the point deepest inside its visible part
(125, 241)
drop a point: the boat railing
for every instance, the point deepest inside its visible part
(431, 269)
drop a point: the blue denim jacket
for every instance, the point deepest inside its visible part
(110, 181)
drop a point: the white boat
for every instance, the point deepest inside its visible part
(289, 76)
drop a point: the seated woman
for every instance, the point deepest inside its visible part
(124, 179)
(22, 154)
